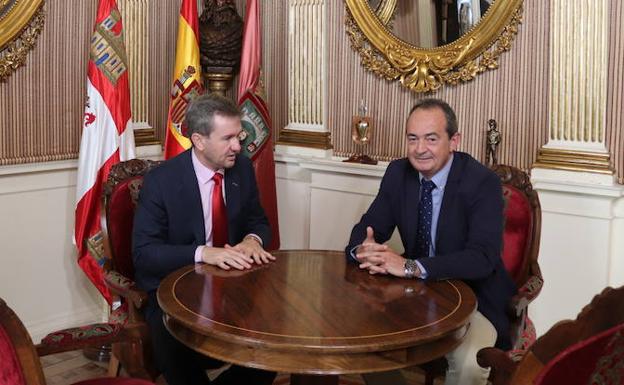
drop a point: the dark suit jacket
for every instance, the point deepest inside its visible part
(469, 235)
(169, 221)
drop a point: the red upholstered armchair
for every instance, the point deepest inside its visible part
(596, 360)
(120, 196)
(19, 358)
(587, 350)
(521, 237)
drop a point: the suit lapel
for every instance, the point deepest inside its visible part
(190, 198)
(410, 215)
(232, 196)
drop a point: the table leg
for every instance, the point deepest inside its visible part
(306, 379)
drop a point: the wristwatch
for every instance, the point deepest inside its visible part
(411, 268)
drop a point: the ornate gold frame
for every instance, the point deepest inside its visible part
(426, 70)
(21, 22)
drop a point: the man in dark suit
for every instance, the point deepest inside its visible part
(200, 207)
(449, 212)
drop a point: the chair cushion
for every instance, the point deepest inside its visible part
(122, 205)
(10, 368)
(518, 225)
(94, 333)
(595, 360)
(114, 381)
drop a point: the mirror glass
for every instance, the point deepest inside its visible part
(433, 23)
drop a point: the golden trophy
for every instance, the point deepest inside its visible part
(361, 133)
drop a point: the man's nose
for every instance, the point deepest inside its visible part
(420, 146)
(236, 145)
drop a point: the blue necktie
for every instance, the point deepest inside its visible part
(425, 210)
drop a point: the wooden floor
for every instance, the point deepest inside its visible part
(68, 368)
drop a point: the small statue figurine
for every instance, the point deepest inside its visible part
(220, 34)
(493, 139)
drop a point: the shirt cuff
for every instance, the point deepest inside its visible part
(256, 237)
(423, 272)
(198, 253)
(352, 253)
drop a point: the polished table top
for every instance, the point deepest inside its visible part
(311, 312)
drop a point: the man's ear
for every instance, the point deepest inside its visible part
(197, 141)
(455, 139)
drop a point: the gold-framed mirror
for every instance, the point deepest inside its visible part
(21, 22)
(451, 59)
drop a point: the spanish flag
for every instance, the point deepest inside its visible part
(186, 83)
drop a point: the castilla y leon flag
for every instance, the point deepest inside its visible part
(256, 135)
(107, 137)
(186, 78)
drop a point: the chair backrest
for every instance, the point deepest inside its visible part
(598, 359)
(523, 222)
(602, 317)
(19, 362)
(120, 196)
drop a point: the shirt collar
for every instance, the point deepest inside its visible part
(203, 173)
(441, 176)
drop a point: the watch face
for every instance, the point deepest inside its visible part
(410, 268)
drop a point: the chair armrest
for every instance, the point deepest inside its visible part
(526, 294)
(80, 337)
(501, 364)
(125, 287)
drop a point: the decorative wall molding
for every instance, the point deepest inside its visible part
(307, 34)
(135, 16)
(321, 140)
(579, 46)
(574, 160)
(422, 69)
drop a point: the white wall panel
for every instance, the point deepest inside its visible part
(40, 278)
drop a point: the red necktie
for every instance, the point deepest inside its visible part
(219, 215)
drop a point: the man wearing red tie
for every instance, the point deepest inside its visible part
(201, 206)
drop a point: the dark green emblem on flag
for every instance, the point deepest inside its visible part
(256, 129)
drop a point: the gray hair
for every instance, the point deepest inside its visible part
(202, 110)
(449, 114)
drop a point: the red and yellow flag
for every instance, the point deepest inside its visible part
(186, 84)
(255, 138)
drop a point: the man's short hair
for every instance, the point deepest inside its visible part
(201, 111)
(449, 114)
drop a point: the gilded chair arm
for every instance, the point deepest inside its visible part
(125, 287)
(80, 337)
(501, 364)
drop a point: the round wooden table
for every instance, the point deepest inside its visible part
(311, 313)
